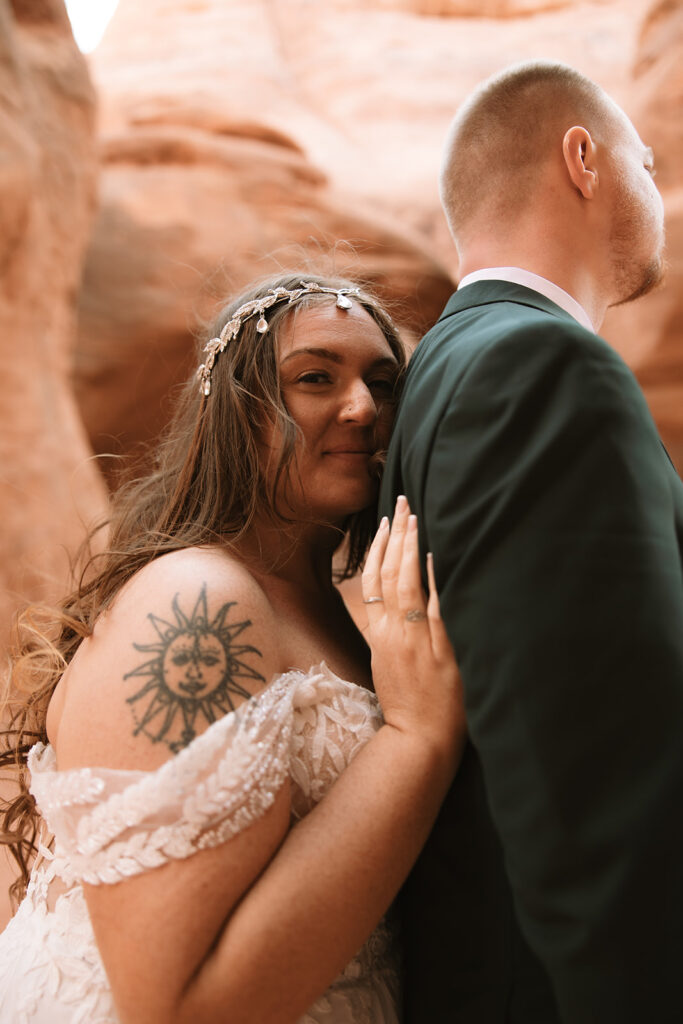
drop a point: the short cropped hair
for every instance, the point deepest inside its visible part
(505, 130)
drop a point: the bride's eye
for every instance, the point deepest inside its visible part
(314, 377)
(384, 386)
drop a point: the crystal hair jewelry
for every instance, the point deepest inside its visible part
(258, 307)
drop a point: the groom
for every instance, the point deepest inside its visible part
(551, 889)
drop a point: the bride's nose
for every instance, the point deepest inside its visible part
(358, 405)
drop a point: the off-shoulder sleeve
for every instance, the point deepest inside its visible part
(109, 825)
(333, 720)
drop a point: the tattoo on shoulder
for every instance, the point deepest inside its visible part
(192, 673)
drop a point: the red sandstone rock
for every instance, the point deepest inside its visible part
(240, 124)
(187, 218)
(649, 332)
(47, 176)
(208, 181)
(457, 8)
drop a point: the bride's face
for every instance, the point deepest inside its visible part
(338, 375)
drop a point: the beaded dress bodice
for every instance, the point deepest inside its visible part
(109, 825)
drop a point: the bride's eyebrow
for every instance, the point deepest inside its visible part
(323, 353)
(335, 357)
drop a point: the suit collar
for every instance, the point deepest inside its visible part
(482, 293)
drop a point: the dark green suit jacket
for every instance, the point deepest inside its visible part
(551, 888)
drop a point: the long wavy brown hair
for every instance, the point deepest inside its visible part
(206, 487)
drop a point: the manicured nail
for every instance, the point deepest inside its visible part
(384, 522)
(401, 503)
(412, 522)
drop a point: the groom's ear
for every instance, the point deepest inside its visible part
(579, 152)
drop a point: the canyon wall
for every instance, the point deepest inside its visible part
(239, 137)
(47, 193)
(49, 487)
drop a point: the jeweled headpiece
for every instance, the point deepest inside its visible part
(258, 307)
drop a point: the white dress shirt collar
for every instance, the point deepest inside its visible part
(515, 275)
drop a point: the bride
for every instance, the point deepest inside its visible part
(221, 816)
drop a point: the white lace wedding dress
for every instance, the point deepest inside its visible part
(109, 825)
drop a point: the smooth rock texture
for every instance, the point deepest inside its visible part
(47, 176)
(649, 333)
(239, 135)
(185, 219)
(458, 8)
(208, 182)
(48, 489)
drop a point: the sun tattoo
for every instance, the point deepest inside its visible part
(192, 675)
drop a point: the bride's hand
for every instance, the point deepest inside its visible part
(414, 669)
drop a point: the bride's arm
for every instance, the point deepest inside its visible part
(237, 933)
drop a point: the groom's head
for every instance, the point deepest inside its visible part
(540, 152)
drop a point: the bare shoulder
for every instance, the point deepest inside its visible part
(187, 640)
